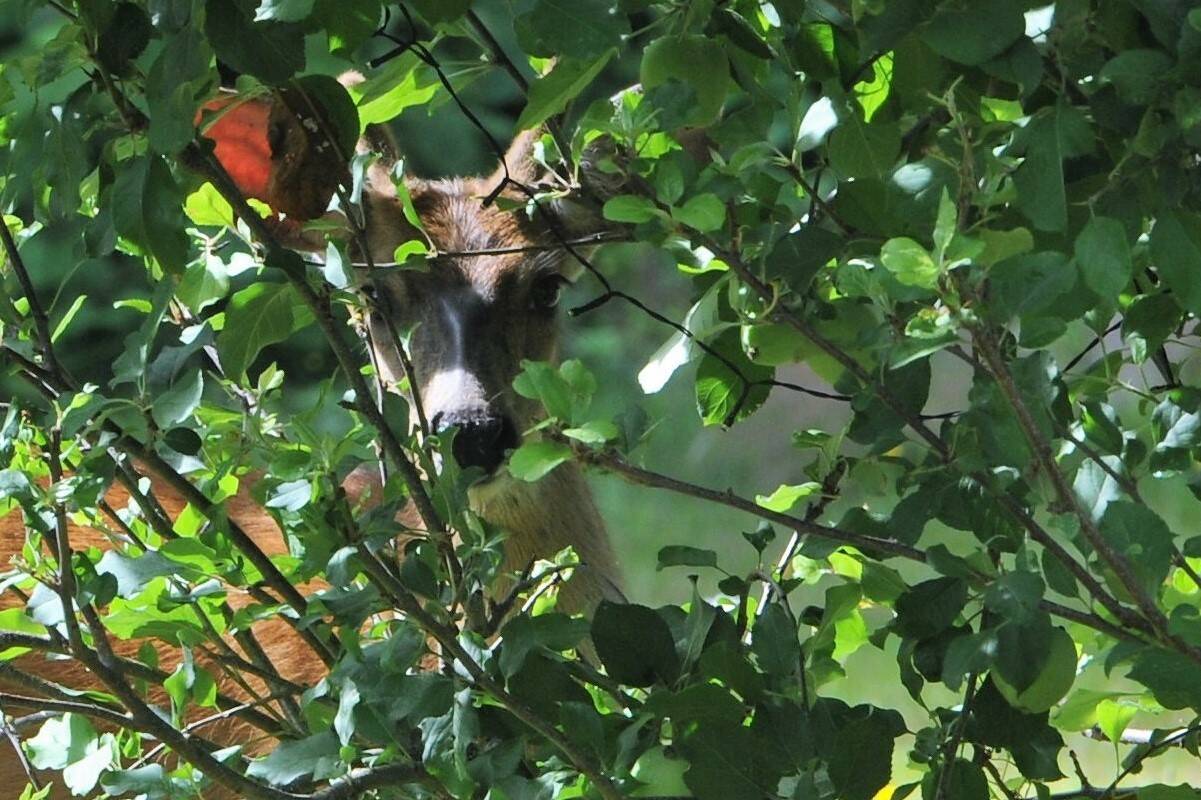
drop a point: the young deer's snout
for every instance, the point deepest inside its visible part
(467, 374)
(482, 439)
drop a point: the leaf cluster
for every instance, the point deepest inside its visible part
(975, 223)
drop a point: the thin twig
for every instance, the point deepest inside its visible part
(448, 639)
(1041, 448)
(829, 491)
(61, 706)
(10, 731)
(1136, 763)
(586, 241)
(41, 321)
(619, 466)
(1096, 342)
(951, 751)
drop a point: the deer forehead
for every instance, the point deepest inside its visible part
(458, 223)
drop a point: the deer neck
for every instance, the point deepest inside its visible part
(544, 517)
(540, 519)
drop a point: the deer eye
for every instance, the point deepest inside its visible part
(544, 295)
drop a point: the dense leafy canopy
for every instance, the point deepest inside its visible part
(976, 222)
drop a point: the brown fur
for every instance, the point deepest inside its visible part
(289, 653)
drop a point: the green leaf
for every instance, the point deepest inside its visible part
(69, 315)
(271, 51)
(697, 61)
(291, 495)
(206, 206)
(704, 212)
(704, 702)
(436, 11)
(15, 620)
(964, 781)
(726, 761)
(786, 496)
(974, 31)
(1049, 139)
(930, 607)
(204, 282)
(1136, 74)
(774, 642)
(583, 28)
(861, 150)
(411, 255)
(630, 208)
(70, 744)
(398, 85)
(123, 38)
(729, 663)
(292, 760)
(542, 382)
(1015, 595)
(551, 93)
(344, 724)
(179, 80)
(593, 432)
(1176, 250)
(1148, 322)
(1000, 245)
(257, 316)
(150, 780)
(634, 644)
(522, 634)
(183, 440)
(660, 775)
(533, 460)
(1103, 254)
(1172, 677)
(1079, 711)
(722, 395)
(146, 205)
(1029, 284)
(1113, 717)
(176, 405)
(911, 263)
(334, 267)
(339, 115)
(741, 32)
(678, 555)
(349, 23)
(798, 256)
(1034, 744)
(860, 762)
(1138, 534)
(1161, 792)
(1054, 680)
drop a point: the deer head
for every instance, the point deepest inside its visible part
(484, 304)
(475, 312)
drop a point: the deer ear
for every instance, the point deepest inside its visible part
(241, 142)
(577, 214)
(277, 153)
(519, 163)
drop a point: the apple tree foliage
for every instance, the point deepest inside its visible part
(975, 223)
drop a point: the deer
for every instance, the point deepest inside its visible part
(474, 317)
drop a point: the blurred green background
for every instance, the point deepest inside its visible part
(615, 342)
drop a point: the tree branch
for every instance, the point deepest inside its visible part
(1041, 448)
(447, 638)
(612, 463)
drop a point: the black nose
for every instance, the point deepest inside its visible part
(482, 438)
